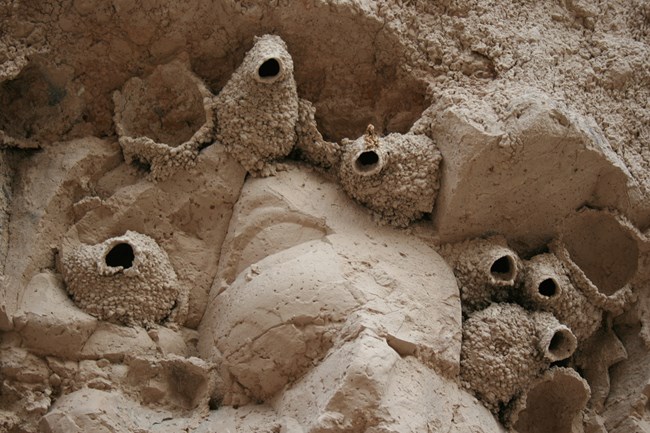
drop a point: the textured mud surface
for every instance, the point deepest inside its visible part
(324, 216)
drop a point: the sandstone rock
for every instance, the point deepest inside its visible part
(51, 323)
(114, 342)
(510, 157)
(538, 165)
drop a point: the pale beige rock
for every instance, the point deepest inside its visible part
(388, 397)
(20, 365)
(26, 391)
(625, 409)
(255, 232)
(90, 410)
(538, 110)
(65, 371)
(115, 342)
(322, 287)
(469, 416)
(377, 391)
(176, 381)
(536, 166)
(50, 322)
(287, 329)
(260, 418)
(44, 190)
(169, 342)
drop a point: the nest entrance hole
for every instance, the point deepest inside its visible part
(503, 268)
(269, 69)
(120, 255)
(562, 344)
(367, 161)
(547, 288)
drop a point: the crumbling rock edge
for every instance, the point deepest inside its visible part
(220, 217)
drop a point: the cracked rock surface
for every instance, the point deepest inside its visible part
(338, 216)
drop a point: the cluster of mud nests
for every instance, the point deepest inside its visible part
(324, 216)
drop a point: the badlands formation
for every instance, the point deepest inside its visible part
(325, 216)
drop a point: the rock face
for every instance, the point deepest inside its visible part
(536, 165)
(324, 216)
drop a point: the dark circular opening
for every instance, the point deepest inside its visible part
(120, 255)
(214, 403)
(368, 158)
(503, 268)
(367, 162)
(547, 288)
(560, 345)
(269, 69)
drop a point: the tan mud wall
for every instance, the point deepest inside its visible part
(324, 216)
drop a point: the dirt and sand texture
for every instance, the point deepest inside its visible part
(325, 216)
